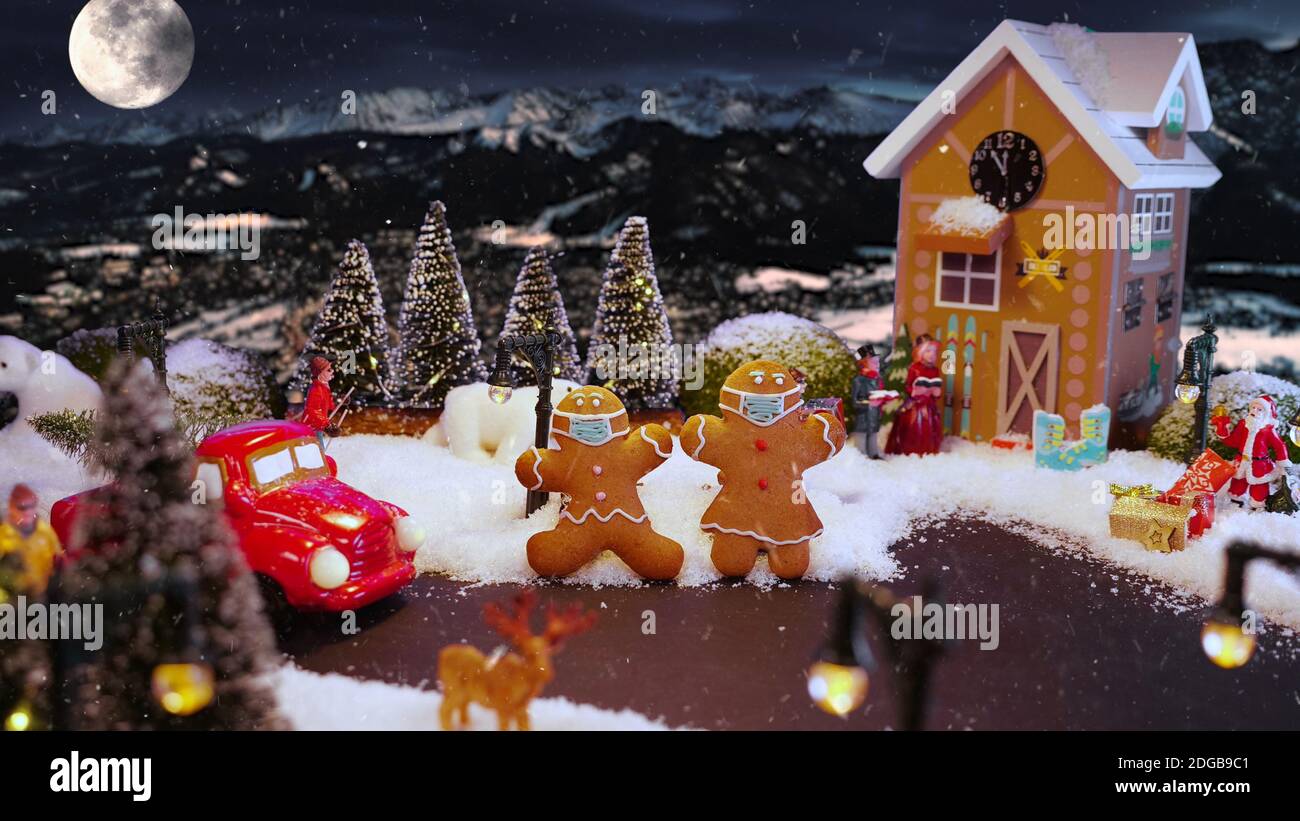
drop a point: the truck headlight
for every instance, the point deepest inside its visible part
(410, 535)
(328, 568)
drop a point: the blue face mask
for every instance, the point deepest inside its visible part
(763, 408)
(590, 431)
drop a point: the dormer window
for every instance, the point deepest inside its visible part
(1176, 116)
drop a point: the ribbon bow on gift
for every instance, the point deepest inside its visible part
(1147, 491)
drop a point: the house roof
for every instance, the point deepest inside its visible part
(1134, 74)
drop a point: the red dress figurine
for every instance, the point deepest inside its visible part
(918, 428)
(320, 402)
(1261, 453)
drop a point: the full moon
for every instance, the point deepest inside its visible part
(131, 53)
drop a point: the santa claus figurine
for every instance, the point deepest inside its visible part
(1262, 456)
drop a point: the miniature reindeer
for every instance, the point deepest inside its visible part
(506, 681)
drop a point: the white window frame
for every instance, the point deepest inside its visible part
(968, 275)
(1163, 220)
(1142, 216)
(1177, 112)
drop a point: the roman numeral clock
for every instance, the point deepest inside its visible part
(1007, 170)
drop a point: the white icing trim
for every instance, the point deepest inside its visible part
(826, 431)
(700, 446)
(751, 534)
(654, 444)
(537, 462)
(591, 511)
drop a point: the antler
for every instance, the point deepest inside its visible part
(512, 626)
(560, 624)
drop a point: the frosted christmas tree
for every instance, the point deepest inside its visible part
(351, 332)
(439, 346)
(536, 306)
(898, 361)
(185, 639)
(632, 340)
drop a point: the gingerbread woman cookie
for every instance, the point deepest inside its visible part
(761, 446)
(596, 463)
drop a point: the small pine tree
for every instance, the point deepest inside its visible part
(536, 306)
(439, 345)
(351, 332)
(151, 541)
(630, 317)
(898, 361)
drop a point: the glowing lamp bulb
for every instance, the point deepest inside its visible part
(1226, 644)
(20, 719)
(837, 689)
(183, 689)
(500, 394)
(1187, 394)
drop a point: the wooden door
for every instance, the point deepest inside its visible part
(1027, 375)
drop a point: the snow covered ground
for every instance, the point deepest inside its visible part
(473, 514)
(312, 701)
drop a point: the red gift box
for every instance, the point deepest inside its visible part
(1208, 474)
(832, 405)
(1202, 504)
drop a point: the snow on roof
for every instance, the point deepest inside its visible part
(1141, 72)
(969, 216)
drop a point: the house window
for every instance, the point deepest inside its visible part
(1176, 118)
(1140, 225)
(1133, 303)
(968, 281)
(1165, 300)
(1164, 214)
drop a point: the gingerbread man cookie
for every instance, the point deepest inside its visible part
(596, 463)
(761, 446)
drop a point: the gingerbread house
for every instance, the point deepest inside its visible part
(1042, 229)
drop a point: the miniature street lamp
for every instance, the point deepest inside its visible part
(1193, 385)
(1295, 428)
(1223, 638)
(153, 333)
(838, 678)
(539, 349)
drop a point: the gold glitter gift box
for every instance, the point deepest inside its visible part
(1156, 525)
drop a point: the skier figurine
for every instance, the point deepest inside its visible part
(867, 399)
(1261, 458)
(319, 411)
(918, 428)
(29, 543)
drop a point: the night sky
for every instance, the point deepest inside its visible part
(252, 54)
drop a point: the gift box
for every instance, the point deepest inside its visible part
(1157, 525)
(1202, 503)
(833, 405)
(1208, 474)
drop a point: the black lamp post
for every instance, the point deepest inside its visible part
(838, 677)
(153, 332)
(539, 350)
(1224, 639)
(1193, 384)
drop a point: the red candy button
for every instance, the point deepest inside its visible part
(761, 444)
(762, 483)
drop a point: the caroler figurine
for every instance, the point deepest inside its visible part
(318, 413)
(868, 395)
(918, 427)
(1261, 454)
(28, 545)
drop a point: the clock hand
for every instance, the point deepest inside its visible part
(1002, 163)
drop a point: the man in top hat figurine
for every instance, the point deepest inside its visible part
(1262, 456)
(867, 401)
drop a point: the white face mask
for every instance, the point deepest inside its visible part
(589, 428)
(762, 409)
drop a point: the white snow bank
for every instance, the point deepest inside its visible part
(312, 701)
(28, 459)
(774, 280)
(476, 533)
(1085, 58)
(969, 216)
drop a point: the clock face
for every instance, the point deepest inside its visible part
(1007, 169)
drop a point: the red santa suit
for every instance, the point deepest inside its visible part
(1261, 458)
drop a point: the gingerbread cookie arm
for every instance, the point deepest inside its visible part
(824, 436)
(648, 447)
(535, 468)
(699, 432)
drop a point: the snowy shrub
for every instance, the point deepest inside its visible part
(794, 342)
(214, 386)
(1172, 434)
(90, 351)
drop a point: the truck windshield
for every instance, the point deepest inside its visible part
(288, 462)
